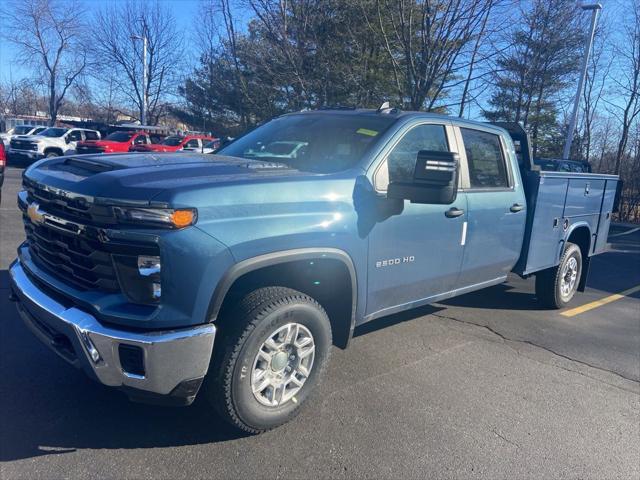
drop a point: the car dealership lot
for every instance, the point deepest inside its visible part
(486, 385)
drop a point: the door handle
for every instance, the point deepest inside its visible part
(516, 207)
(453, 212)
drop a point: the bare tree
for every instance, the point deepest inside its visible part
(116, 48)
(592, 95)
(49, 36)
(628, 82)
(425, 41)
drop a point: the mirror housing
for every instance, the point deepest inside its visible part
(67, 139)
(435, 179)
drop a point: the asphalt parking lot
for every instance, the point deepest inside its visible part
(488, 385)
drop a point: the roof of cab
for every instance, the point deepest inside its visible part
(401, 114)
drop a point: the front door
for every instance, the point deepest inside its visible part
(73, 137)
(415, 254)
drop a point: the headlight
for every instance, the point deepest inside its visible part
(163, 217)
(139, 277)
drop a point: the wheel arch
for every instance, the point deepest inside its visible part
(259, 271)
(58, 150)
(580, 235)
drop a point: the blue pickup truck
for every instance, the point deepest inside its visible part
(233, 274)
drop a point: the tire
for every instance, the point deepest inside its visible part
(51, 155)
(555, 287)
(236, 368)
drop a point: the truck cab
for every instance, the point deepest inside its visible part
(52, 142)
(154, 272)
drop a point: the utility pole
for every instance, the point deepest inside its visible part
(595, 10)
(143, 113)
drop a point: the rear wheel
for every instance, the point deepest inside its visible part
(555, 287)
(274, 353)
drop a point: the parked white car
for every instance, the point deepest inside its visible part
(202, 146)
(52, 142)
(21, 130)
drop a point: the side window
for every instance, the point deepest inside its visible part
(401, 161)
(487, 168)
(89, 135)
(140, 140)
(75, 136)
(193, 143)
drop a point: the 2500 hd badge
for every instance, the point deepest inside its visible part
(395, 261)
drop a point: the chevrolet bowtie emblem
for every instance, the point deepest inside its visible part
(35, 214)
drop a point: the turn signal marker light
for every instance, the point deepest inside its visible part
(182, 218)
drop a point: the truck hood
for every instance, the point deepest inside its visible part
(32, 137)
(150, 178)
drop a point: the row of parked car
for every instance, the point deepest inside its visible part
(27, 142)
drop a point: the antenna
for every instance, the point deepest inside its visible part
(383, 107)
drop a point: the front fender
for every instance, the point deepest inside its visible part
(275, 258)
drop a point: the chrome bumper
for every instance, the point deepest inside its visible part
(31, 154)
(171, 359)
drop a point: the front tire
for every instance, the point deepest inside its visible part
(555, 287)
(51, 154)
(276, 348)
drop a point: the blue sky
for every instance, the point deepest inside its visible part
(185, 11)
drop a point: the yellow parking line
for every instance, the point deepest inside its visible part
(598, 303)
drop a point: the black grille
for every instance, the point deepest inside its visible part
(75, 259)
(23, 145)
(70, 208)
(70, 241)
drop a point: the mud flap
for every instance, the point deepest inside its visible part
(585, 274)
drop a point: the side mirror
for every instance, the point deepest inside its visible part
(67, 139)
(435, 179)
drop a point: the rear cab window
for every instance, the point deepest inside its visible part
(485, 159)
(89, 135)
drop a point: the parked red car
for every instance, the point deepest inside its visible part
(115, 143)
(175, 143)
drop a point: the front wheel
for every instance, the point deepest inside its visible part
(555, 287)
(51, 154)
(274, 353)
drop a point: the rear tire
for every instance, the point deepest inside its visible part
(274, 353)
(555, 287)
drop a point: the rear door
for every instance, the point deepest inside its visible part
(496, 206)
(415, 253)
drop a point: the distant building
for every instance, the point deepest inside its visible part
(7, 122)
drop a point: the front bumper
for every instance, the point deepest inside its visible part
(30, 154)
(155, 366)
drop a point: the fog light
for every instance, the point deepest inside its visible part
(148, 265)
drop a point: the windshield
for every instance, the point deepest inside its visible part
(22, 129)
(323, 143)
(53, 132)
(119, 136)
(172, 141)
